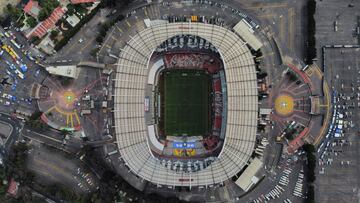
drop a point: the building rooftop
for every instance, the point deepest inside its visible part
(73, 20)
(66, 71)
(43, 27)
(82, 1)
(32, 8)
(248, 178)
(247, 33)
(13, 188)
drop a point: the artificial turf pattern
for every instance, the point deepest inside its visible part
(186, 102)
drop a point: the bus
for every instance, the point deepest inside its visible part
(13, 52)
(19, 74)
(15, 44)
(7, 34)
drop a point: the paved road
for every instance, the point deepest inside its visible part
(23, 86)
(55, 139)
(17, 128)
(51, 166)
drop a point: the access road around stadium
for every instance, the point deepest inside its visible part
(275, 16)
(16, 128)
(51, 166)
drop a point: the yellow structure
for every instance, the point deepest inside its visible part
(69, 97)
(190, 152)
(284, 105)
(178, 152)
(194, 18)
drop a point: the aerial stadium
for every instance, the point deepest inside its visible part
(186, 103)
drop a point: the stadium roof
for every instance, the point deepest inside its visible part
(247, 33)
(247, 179)
(132, 131)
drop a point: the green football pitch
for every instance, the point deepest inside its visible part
(186, 102)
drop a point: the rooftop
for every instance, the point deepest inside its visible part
(82, 1)
(43, 27)
(66, 71)
(32, 8)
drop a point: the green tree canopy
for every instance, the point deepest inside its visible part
(31, 21)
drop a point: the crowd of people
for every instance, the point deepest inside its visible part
(191, 61)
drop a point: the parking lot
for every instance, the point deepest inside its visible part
(338, 173)
(331, 14)
(19, 71)
(287, 186)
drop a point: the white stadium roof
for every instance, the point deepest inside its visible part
(247, 33)
(248, 178)
(132, 131)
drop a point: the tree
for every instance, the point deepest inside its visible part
(15, 14)
(35, 121)
(64, 132)
(53, 34)
(99, 39)
(31, 21)
(110, 3)
(262, 75)
(309, 148)
(35, 40)
(16, 166)
(292, 75)
(59, 191)
(71, 9)
(311, 162)
(36, 115)
(94, 51)
(47, 7)
(310, 197)
(43, 14)
(289, 135)
(311, 41)
(65, 81)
